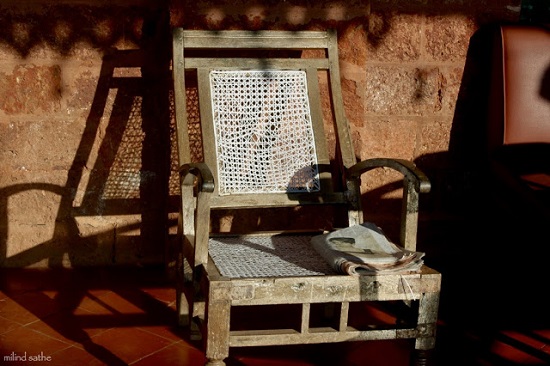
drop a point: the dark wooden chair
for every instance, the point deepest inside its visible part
(518, 134)
(261, 131)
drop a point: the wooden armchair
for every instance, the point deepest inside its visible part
(274, 144)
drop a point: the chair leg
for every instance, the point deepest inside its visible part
(183, 306)
(195, 333)
(215, 363)
(421, 357)
(427, 325)
(217, 324)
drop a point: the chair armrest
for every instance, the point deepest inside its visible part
(197, 184)
(410, 171)
(414, 183)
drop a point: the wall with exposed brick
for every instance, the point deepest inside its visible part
(86, 131)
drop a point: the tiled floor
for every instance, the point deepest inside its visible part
(127, 317)
(92, 317)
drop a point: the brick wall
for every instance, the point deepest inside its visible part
(85, 113)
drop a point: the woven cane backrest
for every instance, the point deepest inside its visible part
(263, 132)
(262, 121)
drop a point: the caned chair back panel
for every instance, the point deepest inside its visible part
(263, 134)
(261, 118)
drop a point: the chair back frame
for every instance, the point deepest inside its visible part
(188, 41)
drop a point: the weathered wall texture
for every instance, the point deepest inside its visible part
(85, 112)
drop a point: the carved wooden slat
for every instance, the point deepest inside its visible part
(315, 335)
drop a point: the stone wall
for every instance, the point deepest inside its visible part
(86, 124)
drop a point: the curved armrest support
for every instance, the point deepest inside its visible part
(406, 167)
(414, 183)
(195, 213)
(201, 171)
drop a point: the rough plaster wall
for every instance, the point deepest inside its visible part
(85, 115)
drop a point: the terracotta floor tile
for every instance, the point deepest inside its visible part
(7, 325)
(26, 308)
(130, 344)
(544, 333)
(513, 355)
(169, 331)
(528, 339)
(133, 300)
(307, 355)
(175, 354)
(19, 281)
(522, 347)
(164, 294)
(377, 353)
(542, 336)
(95, 304)
(71, 327)
(23, 280)
(120, 302)
(23, 340)
(75, 356)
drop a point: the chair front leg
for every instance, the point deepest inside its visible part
(217, 330)
(426, 327)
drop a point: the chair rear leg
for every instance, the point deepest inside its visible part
(182, 306)
(183, 282)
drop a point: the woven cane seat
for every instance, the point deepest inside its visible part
(267, 256)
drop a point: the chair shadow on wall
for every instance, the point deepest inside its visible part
(130, 176)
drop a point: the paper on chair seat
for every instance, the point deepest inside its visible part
(364, 249)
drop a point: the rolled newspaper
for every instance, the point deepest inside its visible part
(364, 249)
